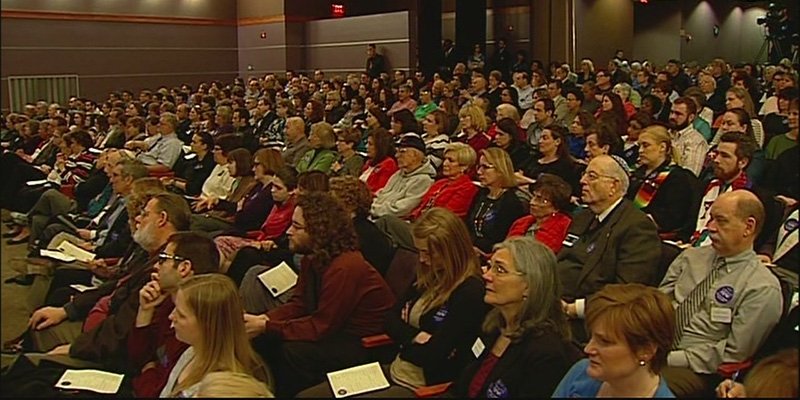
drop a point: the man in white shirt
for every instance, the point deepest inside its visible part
(524, 90)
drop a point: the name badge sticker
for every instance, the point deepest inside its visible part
(570, 240)
(590, 248)
(478, 347)
(721, 314)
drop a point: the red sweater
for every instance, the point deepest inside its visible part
(551, 233)
(278, 220)
(155, 342)
(454, 195)
(353, 298)
(381, 174)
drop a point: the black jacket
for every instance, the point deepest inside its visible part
(530, 368)
(453, 328)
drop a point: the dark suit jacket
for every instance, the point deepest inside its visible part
(624, 248)
(531, 368)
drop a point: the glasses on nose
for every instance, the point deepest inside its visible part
(499, 270)
(485, 166)
(163, 257)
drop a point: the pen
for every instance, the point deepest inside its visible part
(733, 381)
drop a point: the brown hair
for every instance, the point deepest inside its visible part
(328, 226)
(452, 257)
(243, 160)
(353, 194)
(553, 188)
(637, 314)
(269, 159)
(774, 376)
(384, 145)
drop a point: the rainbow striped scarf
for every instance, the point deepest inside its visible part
(650, 187)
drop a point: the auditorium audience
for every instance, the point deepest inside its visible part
(637, 187)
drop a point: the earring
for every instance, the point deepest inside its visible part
(642, 363)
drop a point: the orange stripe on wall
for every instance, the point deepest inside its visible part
(140, 19)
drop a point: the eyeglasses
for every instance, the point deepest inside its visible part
(499, 270)
(592, 176)
(485, 166)
(163, 257)
(539, 199)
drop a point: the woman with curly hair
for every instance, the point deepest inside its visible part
(356, 199)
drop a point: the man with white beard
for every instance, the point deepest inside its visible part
(94, 326)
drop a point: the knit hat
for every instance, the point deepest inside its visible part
(411, 140)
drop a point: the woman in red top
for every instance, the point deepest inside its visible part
(548, 221)
(239, 254)
(456, 190)
(380, 165)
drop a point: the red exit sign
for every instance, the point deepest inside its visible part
(337, 10)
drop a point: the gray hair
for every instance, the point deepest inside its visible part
(541, 310)
(625, 88)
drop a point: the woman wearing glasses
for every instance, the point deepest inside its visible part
(525, 347)
(496, 206)
(548, 221)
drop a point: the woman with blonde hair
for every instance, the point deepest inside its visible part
(225, 384)
(496, 206)
(632, 328)
(436, 321)
(737, 97)
(659, 186)
(472, 127)
(208, 317)
(455, 190)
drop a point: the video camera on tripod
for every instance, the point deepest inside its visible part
(779, 36)
(776, 20)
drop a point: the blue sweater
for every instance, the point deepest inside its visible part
(577, 383)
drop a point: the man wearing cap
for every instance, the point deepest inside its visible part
(406, 187)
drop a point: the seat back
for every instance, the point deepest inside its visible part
(668, 254)
(402, 271)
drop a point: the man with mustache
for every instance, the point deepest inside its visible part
(726, 301)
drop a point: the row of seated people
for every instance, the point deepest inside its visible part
(412, 161)
(520, 284)
(594, 175)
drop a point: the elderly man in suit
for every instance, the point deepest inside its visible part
(610, 242)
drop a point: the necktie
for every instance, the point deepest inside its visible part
(694, 301)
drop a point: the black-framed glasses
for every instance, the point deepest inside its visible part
(163, 257)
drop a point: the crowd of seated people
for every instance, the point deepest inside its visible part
(492, 222)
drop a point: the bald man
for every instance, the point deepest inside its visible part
(296, 141)
(610, 242)
(737, 305)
